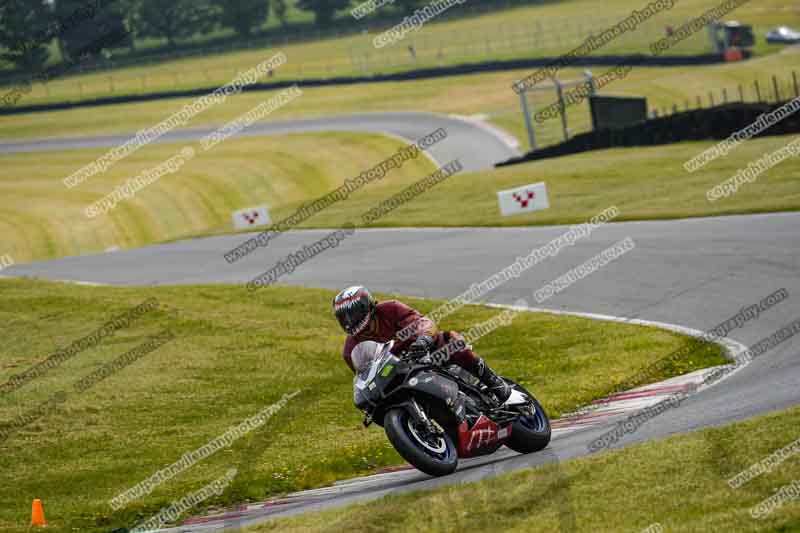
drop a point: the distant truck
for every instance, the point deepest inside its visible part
(729, 35)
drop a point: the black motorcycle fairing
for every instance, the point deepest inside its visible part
(437, 391)
(433, 384)
(436, 385)
(391, 380)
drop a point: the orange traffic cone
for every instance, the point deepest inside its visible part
(37, 513)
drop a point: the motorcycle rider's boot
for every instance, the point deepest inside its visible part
(495, 383)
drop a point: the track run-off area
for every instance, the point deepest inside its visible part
(689, 273)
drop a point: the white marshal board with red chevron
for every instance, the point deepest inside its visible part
(523, 199)
(250, 217)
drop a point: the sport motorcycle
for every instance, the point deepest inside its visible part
(434, 415)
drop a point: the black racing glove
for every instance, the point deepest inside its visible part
(420, 347)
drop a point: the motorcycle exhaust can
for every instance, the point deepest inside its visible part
(483, 438)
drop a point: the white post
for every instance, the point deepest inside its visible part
(562, 107)
(526, 113)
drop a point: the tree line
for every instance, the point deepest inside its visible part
(27, 27)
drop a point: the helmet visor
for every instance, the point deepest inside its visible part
(354, 320)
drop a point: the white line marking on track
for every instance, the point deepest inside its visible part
(603, 411)
(480, 120)
(617, 405)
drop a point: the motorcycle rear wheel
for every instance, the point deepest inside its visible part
(436, 456)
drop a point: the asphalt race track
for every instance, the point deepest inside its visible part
(477, 145)
(694, 272)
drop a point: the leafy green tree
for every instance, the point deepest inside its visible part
(323, 10)
(242, 15)
(176, 19)
(133, 20)
(280, 8)
(408, 6)
(88, 28)
(25, 32)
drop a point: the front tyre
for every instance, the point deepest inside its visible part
(530, 432)
(435, 455)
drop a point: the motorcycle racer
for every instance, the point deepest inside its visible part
(365, 319)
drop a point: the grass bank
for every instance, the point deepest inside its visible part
(43, 220)
(489, 94)
(546, 30)
(679, 483)
(645, 183)
(232, 355)
(40, 218)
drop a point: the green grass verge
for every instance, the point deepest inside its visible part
(679, 483)
(488, 93)
(233, 355)
(644, 183)
(42, 219)
(500, 34)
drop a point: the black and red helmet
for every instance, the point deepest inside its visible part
(353, 308)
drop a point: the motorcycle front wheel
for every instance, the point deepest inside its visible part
(530, 432)
(436, 455)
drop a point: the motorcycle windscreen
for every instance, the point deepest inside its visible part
(367, 358)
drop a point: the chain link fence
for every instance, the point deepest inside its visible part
(575, 118)
(429, 47)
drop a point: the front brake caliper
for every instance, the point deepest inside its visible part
(421, 416)
(436, 427)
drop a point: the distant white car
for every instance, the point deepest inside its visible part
(783, 35)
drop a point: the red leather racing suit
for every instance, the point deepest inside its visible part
(392, 317)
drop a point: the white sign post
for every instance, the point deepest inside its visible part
(6, 261)
(250, 217)
(523, 199)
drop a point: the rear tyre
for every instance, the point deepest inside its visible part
(436, 456)
(530, 433)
